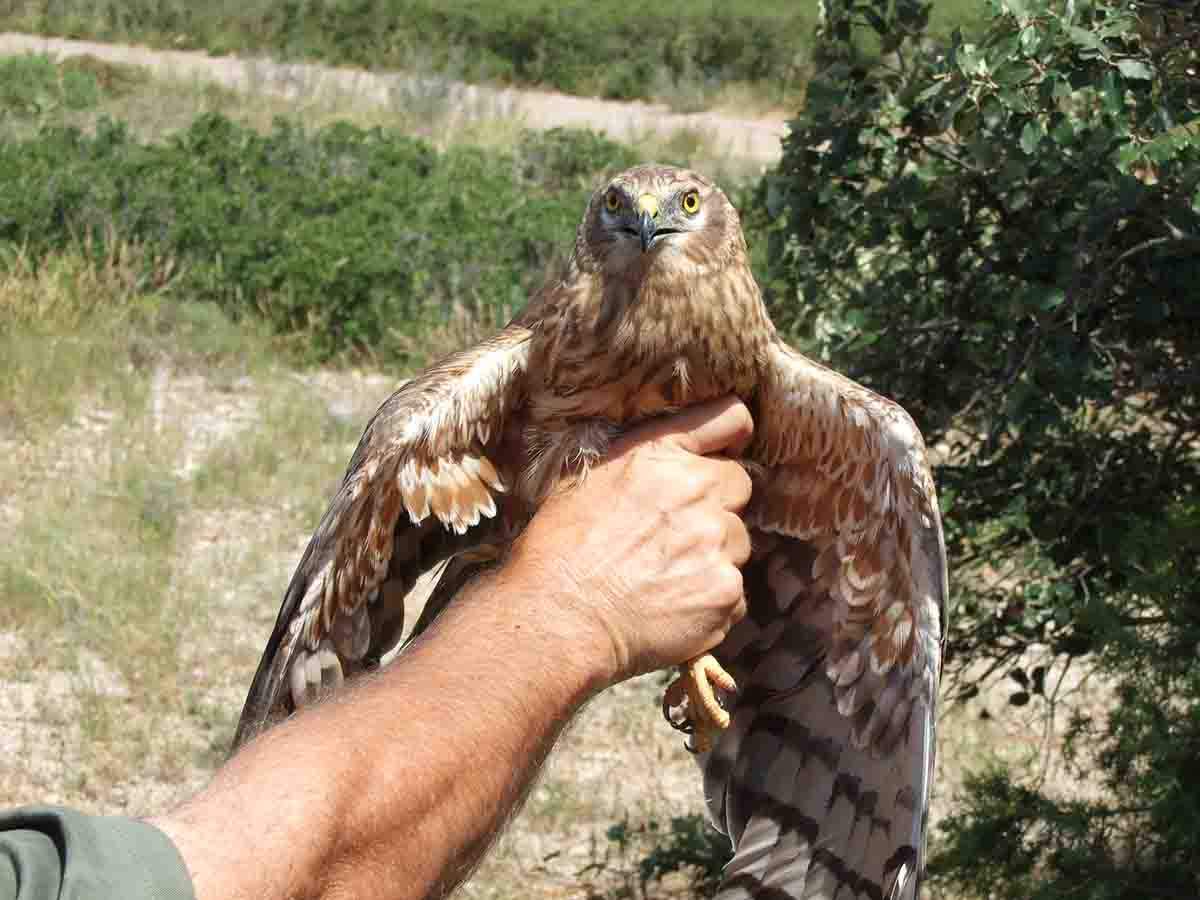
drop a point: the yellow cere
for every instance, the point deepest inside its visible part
(612, 202)
(648, 203)
(691, 203)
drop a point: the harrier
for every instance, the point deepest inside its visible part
(813, 722)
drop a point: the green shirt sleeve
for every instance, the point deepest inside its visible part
(50, 853)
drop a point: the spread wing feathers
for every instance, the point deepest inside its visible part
(427, 471)
(822, 781)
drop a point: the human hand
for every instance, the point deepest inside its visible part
(645, 553)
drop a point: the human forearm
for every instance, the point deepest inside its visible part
(396, 789)
(485, 727)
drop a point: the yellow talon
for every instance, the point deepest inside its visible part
(705, 712)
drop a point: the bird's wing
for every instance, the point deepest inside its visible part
(423, 484)
(823, 779)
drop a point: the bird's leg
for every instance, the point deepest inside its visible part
(706, 716)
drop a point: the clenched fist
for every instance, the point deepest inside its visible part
(646, 553)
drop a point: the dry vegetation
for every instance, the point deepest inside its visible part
(160, 471)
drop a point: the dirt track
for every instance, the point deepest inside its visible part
(752, 139)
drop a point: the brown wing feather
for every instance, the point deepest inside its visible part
(822, 780)
(427, 473)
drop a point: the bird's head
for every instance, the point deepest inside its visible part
(660, 272)
(660, 219)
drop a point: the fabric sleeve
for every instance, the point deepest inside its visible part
(51, 853)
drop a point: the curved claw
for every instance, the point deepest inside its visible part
(675, 697)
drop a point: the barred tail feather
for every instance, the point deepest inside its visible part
(810, 815)
(813, 814)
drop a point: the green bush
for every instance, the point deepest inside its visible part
(1005, 236)
(566, 158)
(638, 859)
(352, 239)
(32, 86)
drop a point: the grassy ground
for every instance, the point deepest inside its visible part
(743, 54)
(36, 92)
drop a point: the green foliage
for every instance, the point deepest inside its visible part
(648, 853)
(1001, 236)
(613, 50)
(33, 86)
(566, 158)
(1005, 236)
(30, 85)
(354, 240)
(691, 846)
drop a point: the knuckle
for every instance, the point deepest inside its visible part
(727, 582)
(694, 483)
(739, 541)
(708, 531)
(663, 523)
(743, 421)
(744, 484)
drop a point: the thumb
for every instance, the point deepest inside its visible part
(713, 427)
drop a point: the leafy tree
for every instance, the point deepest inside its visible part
(1005, 236)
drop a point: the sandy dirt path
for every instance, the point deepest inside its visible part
(756, 140)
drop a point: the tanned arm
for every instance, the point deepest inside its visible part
(396, 788)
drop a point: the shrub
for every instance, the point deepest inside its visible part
(356, 240)
(649, 860)
(33, 85)
(1006, 237)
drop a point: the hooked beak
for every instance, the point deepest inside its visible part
(646, 230)
(647, 205)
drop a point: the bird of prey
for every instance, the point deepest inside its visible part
(813, 721)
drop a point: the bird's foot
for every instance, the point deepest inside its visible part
(690, 704)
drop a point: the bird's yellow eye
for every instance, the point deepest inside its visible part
(612, 202)
(691, 202)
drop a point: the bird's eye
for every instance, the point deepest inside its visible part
(612, 202)
(691, 202)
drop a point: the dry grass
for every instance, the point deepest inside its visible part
(129, 571)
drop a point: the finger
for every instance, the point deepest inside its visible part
(739, 611)
(736, 545)
(713, 427)
(734, 486)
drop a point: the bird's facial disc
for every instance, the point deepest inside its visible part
(650, 219)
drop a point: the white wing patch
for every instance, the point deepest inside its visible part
(457, 491)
